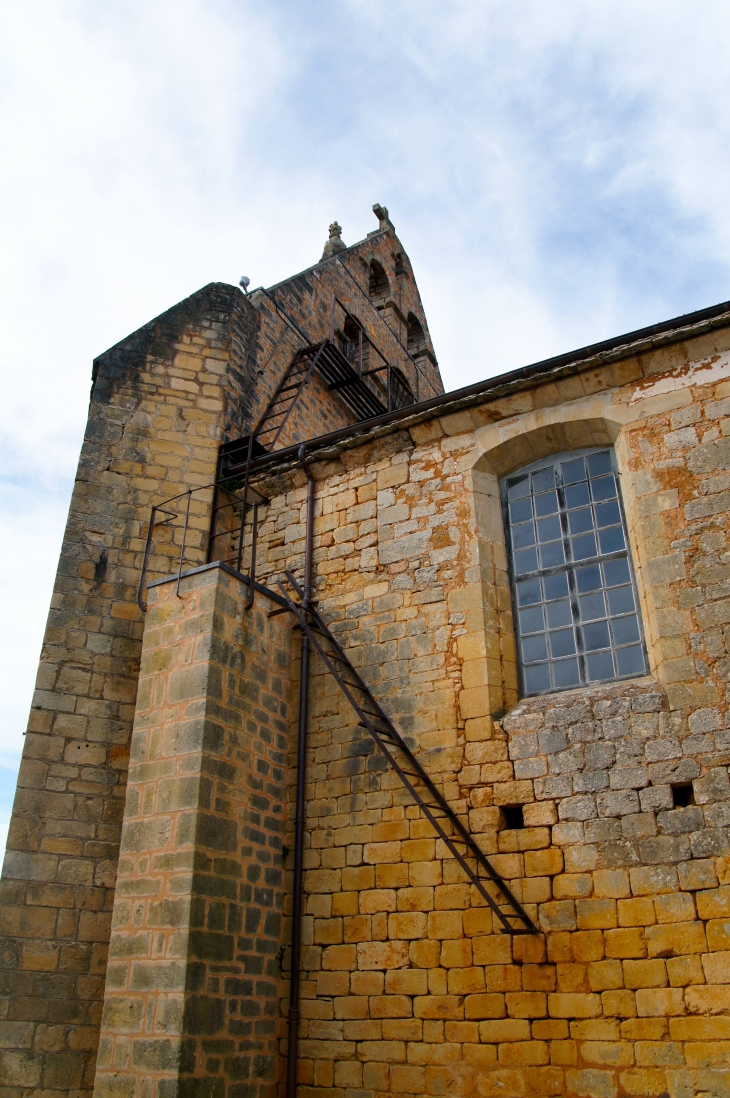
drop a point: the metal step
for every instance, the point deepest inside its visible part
(510, 914)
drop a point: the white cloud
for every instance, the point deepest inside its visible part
(558, 173)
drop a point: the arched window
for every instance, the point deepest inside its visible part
(350, 341)
(379, 285)
(416, 334)
(577, 617)
(401, 395)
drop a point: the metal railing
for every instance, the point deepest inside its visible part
(223, 538)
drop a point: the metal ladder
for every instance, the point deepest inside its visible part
(510, 914)
(285, 396)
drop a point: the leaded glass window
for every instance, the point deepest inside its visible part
(577, 616)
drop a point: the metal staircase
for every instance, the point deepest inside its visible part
(511, 916)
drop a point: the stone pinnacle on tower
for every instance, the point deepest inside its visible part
(335, 243)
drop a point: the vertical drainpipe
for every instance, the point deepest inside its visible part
(296, 945)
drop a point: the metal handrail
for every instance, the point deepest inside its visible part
(163, 508)
(457, 838)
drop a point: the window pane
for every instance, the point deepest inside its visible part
(596, 635)
(588, 578)
(600, 666)
(584, 546)
(537, 678)
(543, 480)
(531, 621)
(521, 510)
(621, 600)
(517, 487)
(625, 630)
(534, 648)
(604, 488)
(578, 521)
(607, 514)
(599, 463)
(616, 571)
(556, 587)
(577, 496)
(551, 554)
(631, 661)
(528, 591)
(577, 622)
(526, 561)
(573, 471)
(559, 613)
(523, 535)
(567, 673)
(612, 540)
(546, 504)
(548, 529)
(562, 643)
(592, 606)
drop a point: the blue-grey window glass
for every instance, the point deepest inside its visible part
(576, 611)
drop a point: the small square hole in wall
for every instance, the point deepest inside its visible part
(514, 817)
(683, 796)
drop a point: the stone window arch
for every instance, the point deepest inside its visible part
(416, 334)
(379, 286)
(575, 604)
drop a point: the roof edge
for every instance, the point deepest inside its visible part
(330, 259)
(688, 325)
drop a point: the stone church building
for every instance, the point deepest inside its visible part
(381, 736)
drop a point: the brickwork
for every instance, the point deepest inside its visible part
(307, 299)
(162, 402)
(407, 986)
(191, 993)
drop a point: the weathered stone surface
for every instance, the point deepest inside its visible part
(408, 986)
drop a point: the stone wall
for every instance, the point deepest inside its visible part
(407, 985)
(307, 300)
(192, 980)
(162, 401)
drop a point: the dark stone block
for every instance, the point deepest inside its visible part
(239, 1028)
(235, 986)
(238, 1067)
(266, 1027)
(206, 885)
(243, 1090)
(188, 1053)
(217, 915)
(216, 833)
(272, 924)
(254, 965)
(63, 1070)
(198, 1087)
(195, 976)
(219, 1047)
(254, 836)
(266, 946)
(253, 919)
(264, 989)
(211, 947)
(203, 1015)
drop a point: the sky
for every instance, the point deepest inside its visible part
(558, 173)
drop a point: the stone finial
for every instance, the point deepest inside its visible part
(335, 243)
